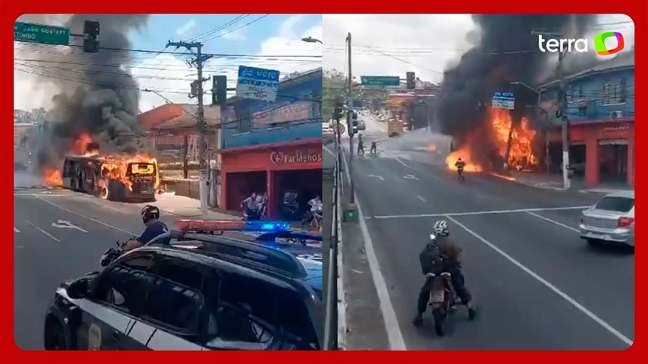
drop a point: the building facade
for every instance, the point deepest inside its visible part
(274, 148)
(600, 109)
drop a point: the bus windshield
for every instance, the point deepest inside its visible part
(141, 168)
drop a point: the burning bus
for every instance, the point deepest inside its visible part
(116, 178)
(112, 176)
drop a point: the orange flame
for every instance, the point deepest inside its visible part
(52, 177)
(81, 143)
(521, 154)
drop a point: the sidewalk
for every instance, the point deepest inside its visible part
(183, 206)
(555, 182)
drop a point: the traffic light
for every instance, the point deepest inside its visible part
(91, 36)
(411, 81)
(353, 128)
(339, 108)
(219, 90)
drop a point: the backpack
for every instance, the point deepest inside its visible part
(431, 259)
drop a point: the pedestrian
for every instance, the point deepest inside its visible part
(373, 148)
(360, 145)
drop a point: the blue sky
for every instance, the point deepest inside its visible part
(164, 27)
(274, 34)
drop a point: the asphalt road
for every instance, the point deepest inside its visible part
(60, 235)
(537, 285)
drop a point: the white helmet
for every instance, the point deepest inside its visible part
(441, 228)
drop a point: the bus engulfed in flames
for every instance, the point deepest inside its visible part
(110, 176)
(521, 154)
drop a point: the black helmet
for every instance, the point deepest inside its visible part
(150, 212)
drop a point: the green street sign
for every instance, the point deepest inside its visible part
(380, 80)
(36, 33)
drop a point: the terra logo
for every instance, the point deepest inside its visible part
(582, 45)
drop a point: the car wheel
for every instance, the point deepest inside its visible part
(54, 335)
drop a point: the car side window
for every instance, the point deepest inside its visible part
(243, 317)
(125, 284)
(175, 299)
(295, 321)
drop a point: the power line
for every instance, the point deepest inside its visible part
(239, 28)
(220, 27)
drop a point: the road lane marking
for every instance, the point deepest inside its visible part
(392, 327)
(43, 231)
(553, 221)
(64, 224)
(329, 151)
(468, 213)
(401, 162)
(421, 198)
(410, 176)
(86, 217)
(16, 230)
(555, 289)
(379, 177)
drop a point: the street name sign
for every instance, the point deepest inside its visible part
(380, 80)
(503, 100)
(257, 83)
(37, 33)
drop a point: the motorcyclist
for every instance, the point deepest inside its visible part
(460, 164)
(442, 255)
(250, 205)
(154, 228)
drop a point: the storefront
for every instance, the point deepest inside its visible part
(602, 151)
(275, 169)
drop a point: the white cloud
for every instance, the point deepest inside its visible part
(186, 27)
(442, 36)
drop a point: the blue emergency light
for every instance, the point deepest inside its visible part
(266, 226)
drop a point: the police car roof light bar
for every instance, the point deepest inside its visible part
(208, 226)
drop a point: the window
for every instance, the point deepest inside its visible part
(295, 321)
(243, 317)
(125, 285)
(621, 204)
(613, 92)
(175, 298)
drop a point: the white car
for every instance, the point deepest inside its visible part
(611, 219)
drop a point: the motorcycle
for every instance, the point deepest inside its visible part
(112, 253)
(460, 175)
(249, 215)
(442, 299)
(314, 219)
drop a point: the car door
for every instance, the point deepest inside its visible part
(117, 300)
(170, 319)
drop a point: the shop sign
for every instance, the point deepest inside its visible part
(296, 157)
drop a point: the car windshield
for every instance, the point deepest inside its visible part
(621, 204)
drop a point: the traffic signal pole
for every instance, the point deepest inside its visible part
(350, 123)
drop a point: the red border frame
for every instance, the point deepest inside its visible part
(10, 9)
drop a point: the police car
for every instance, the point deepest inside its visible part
(208, 289)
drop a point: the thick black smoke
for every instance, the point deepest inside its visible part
(99, 100)
(507, 51)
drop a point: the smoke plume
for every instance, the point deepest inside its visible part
(506, 52)
(99, 100)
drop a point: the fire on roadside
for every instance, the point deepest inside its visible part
(521, 155)
(52, 177)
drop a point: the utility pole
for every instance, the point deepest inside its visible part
(564, 120)
(197, 91)
(349, 122)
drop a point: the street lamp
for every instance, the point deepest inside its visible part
(310, 39)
